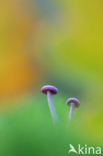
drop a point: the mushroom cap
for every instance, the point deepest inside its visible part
(75, 101)
(52, 89)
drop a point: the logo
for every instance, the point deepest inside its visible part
(84, 150)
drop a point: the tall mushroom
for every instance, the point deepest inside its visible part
(51, 90)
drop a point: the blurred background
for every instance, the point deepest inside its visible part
(47, 42)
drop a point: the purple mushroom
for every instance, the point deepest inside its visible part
(51, 90)
(72, 103)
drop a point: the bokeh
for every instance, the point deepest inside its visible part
(47, 42)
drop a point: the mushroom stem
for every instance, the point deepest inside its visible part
(71, 110)
(51, 106)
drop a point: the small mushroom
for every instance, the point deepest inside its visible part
(51, 90)
(72, 103)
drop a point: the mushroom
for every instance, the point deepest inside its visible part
(51, 90)
(72, 103)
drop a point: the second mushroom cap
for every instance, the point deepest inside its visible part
(75, 101)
